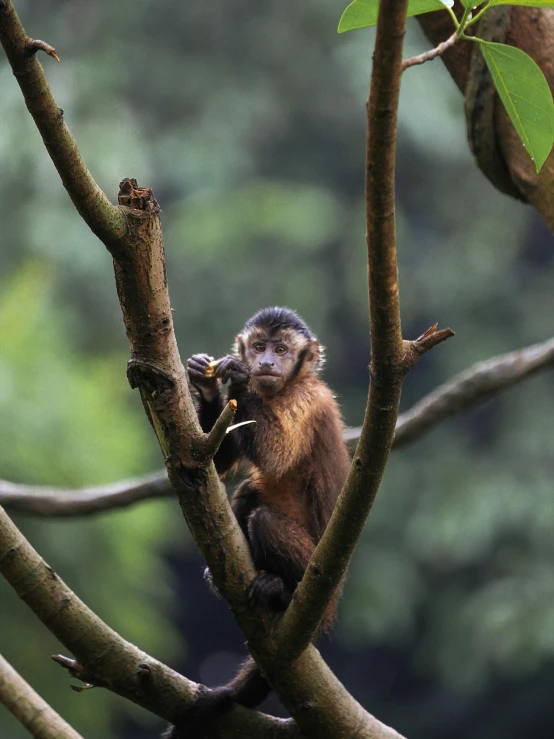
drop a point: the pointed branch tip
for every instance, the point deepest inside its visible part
(34, 45)
(214, 438)
(431, 338)
(67, 662)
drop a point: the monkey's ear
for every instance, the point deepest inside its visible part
(239, 348)
(315, 358)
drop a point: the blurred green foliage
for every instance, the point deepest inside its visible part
(248, 122)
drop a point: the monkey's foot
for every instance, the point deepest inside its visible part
(269, 590)
(210, 704)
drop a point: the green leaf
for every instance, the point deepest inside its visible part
(526, 97)
(363, 13)
(527, 3)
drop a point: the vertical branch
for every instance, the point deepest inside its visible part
(391, 357)
(382, 115)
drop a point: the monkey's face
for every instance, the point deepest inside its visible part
(276, 358)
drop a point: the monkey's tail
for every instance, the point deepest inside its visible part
(248, 687)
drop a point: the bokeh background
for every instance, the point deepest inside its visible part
(247, 120)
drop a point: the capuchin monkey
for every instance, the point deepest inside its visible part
(296, 462)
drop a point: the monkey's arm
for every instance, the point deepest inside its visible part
(210, 405)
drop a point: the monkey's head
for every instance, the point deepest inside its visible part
(279, 348)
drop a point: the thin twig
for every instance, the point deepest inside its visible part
(428, 56)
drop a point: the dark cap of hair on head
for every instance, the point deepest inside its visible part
(275, 318)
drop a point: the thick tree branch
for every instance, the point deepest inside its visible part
(106, 659)
(104, 219)
(117, 664)
(29, 708)
(471, 387)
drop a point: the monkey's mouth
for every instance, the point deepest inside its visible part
(267, 381)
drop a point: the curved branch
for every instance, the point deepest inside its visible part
(471, 387)
(106, 220)
(51, 501)
(118, 665)
(29, 708)
(477, 384)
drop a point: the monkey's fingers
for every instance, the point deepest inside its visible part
(231, 368)
(197, 366)
(200, 359)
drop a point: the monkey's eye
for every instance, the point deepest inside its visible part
(280, 349)
(258, 347)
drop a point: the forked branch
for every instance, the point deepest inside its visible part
(125, 670)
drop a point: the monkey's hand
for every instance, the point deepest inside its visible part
(232, 370)
(206, 386)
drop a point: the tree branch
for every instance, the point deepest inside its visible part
(113, 662)
(51, 501)
(105, 659)
(104, 219)
(471, 387)
(29, 708)
(391, 356)
(428, 56)
(476, 385)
